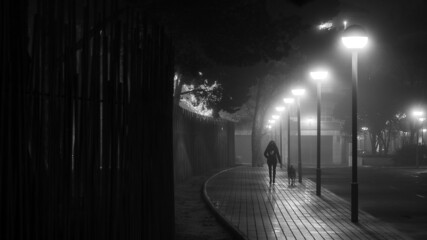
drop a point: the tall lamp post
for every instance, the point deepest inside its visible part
(418, 117)
(288, 102)
(422, 139)
(354, 38)
(276, 118)
(319, 76)
(280, 110)
(422, 119)
(365, 136)
(298, 92)
(270, 126)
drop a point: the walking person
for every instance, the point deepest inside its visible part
(272, 154)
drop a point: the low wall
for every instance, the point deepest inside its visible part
(200, 144)
(377, 161)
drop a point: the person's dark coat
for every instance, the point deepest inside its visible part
(272, 154)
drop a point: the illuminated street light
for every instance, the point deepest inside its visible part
(298, 92)
(365, 133)
(318, 76)
(354, 38)
(288, 100)
(275, 117)
(280, 108)
(417, 113)
(418, 116)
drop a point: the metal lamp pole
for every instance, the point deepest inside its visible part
(354, 183)
(280, 109)
(417, 114)
(289, 101)
(299, 141)
(289, 137)
(319, 76)
(318, 171)
(354, 38)
(298, 93)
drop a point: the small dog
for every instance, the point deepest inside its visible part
(291, 175)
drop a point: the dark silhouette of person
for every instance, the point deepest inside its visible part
(272, 154)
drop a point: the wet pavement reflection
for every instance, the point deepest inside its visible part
(244, 198)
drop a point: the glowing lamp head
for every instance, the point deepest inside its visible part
(288, 100)
(417, 113)
(319, 75)
(271, 121)
(275, 117)
(354, 37)
(365, 128)
(280, 108)
(421, 119)
(298, 92)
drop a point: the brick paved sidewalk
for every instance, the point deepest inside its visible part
(243, 198)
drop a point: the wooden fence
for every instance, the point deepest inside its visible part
(85, 123)
(201, 144)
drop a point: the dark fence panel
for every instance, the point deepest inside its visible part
(201, 144)
(85, 123)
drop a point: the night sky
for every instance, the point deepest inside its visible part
(391, 69)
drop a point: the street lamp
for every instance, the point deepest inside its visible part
(318, 76)
(422, 119)
(424, 130)
(270, 127)
(289, 102)
(298, 92)
(417, 114)
(354, 38)
(365, 133)
(280, 110)
(275, 117)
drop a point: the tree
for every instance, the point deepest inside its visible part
(203, 99)
(214, 33)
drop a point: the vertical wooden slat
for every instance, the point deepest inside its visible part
(74, 168)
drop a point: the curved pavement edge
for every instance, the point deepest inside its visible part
(234, 230)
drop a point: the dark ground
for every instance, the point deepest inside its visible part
(193, 219)
(394, 195)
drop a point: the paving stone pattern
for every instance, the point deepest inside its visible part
(243, 197)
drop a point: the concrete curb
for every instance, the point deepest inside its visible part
(237, 234)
